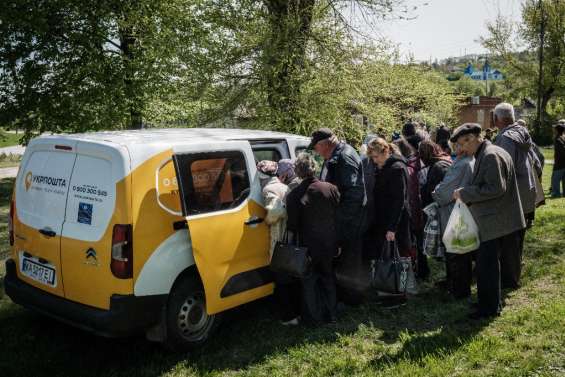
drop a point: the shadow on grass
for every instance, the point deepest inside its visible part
(429, 325)
(36, 345)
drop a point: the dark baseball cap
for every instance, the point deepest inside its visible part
(319, 135)
(466, 129)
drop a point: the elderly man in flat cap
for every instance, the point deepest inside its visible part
(494, 201)
(342, 168)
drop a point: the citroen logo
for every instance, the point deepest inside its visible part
(91, 253)
(91, 259)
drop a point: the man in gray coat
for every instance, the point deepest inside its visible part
(515, 139)
(494, 202)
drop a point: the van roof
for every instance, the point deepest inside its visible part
(174, 136)
(142, 144)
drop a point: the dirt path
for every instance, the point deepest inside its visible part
(8, 172)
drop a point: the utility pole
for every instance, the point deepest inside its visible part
(539, 120)
(486, 69)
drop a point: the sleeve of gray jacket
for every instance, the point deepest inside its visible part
(493, 184)
(508, 145)
(459, 175)
(443, 193)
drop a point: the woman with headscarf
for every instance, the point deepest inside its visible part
(274, 195)
(286, 173)
(286, 296)
(312, 210)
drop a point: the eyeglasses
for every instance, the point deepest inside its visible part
(463, 140)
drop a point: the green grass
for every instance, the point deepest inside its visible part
(428, 337)
(548, 152)
(8, 139)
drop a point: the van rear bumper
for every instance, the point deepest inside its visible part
(127, 315)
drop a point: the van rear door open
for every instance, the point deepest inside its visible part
(41, 190)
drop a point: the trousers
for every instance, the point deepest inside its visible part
(459, 271)
(511, 258)
(488, 277)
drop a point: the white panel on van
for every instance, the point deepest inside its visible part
(42, 188)
(92, 196)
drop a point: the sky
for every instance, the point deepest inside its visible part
(443, 28)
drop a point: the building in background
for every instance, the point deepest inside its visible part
(478, 110)
(487, 73)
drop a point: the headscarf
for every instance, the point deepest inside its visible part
(286, 169)
(268, 167)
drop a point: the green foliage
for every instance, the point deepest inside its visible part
(518, 45)
(469, 87)
(73, 66)
(283, 65)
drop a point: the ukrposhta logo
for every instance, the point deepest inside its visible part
(52, 183)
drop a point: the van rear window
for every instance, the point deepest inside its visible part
(212, 181)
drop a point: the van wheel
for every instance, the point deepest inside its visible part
(188, 324)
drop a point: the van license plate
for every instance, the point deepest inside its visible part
(38, 272)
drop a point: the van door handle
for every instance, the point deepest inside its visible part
(47, 232)
(254, 220)
(178, 225)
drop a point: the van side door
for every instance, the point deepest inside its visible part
(221, 200)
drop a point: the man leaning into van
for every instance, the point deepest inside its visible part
(342, 167)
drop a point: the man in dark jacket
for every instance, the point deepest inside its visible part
(558, 173)
(516, 140)
(343, 168)
(311, 210)
(494, 202)
(369, 240)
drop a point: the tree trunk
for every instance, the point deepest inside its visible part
(290, 22)
(127, 43)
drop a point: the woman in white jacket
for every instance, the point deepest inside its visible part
(274, 192)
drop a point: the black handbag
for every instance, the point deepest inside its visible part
(389, 271)
(290, 259)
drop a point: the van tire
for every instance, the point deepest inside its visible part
(188, 325)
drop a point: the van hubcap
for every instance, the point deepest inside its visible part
(192, 319)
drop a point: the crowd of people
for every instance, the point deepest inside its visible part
(349, 209)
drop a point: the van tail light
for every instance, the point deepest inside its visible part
(122, 252)
(11, 223)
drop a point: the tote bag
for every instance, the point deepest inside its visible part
(390, 274)
(290, 259)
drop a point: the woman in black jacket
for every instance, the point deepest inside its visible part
(391, 210)
(312, 209)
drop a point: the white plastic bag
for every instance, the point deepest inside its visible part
(461, 233)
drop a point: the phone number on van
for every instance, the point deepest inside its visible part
(89, 190)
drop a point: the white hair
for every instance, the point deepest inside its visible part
(504, 111)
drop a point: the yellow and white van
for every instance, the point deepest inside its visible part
(153, 230)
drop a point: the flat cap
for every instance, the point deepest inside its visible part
(319, 135)
(465, 129)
